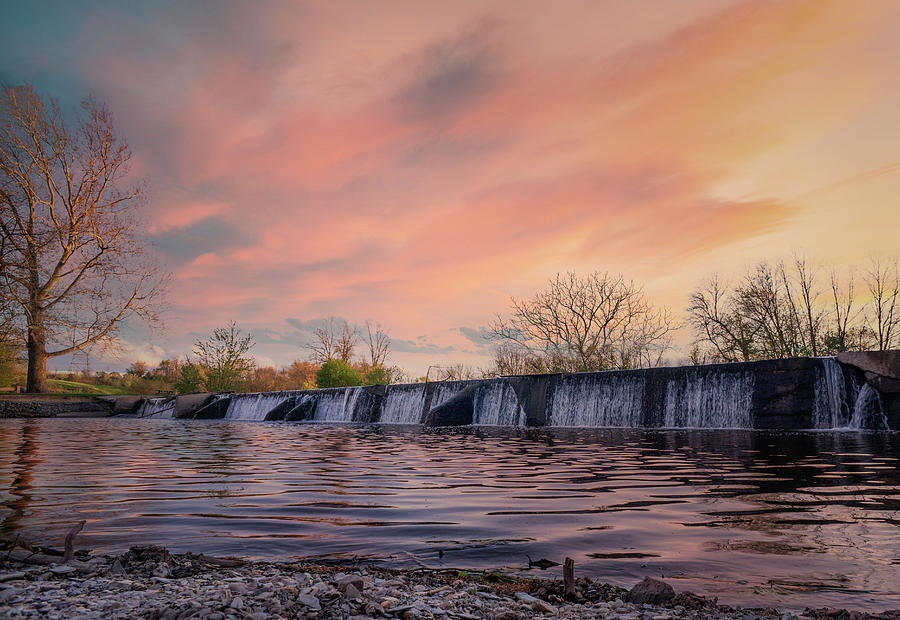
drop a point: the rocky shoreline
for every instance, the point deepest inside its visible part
(149, 582)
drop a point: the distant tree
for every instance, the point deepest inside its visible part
(780, 310)
(190, 379)
(514, 360)
(168, 370)
(715, 314)
(138, 368)
(224, 358)
(882, 279)
(333, 342)
(72, 259)
(264, 379)
(301, 375)
(595, 322)
(455, 372)
(378, 344)
(377, 375)
(397, 375)
(337, 373)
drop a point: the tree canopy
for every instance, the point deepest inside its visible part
(72, 261)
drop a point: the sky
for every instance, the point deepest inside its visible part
(417, 163)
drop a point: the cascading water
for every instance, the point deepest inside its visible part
(163, 407)
(868, 410)
(403, 404)
(337, 405)
(709, 400)
(602, 400)
(254, 406)
(496, 404)
(831, 404)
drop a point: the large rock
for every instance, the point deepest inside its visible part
(650, 591)
(881, 368)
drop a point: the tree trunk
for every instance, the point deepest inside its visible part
(37, 360)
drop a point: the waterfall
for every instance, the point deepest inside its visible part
(607, 399)
(163, 407)
(254, 406)
(831, 407)
(337, 405)
(403, 404)
(700, 399)
(496, 404)
(445, 390)
(868, 410)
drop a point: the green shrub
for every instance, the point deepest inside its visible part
(335, 373)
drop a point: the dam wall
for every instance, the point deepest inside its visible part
(852, 391)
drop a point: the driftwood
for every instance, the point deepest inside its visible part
(70, 538)
(569, 577)
(29, 557)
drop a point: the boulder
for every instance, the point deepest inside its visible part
(650, 591)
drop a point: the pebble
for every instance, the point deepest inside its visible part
(129, 586)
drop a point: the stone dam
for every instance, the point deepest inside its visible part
(859, 390)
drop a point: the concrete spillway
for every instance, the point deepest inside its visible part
(799, 393)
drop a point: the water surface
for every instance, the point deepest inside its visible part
(756, 518)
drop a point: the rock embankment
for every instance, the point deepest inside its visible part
(148, 582)
(31, 407)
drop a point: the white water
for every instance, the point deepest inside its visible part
(597, 401)
(163, 407)
(254, 406)
(831, 405)
(496, 404)
(337, 405)
(403, 404)
(868, 410)
(709, 400)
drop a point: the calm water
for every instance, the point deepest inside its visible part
(755, 518)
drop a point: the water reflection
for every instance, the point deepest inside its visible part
(755, 518)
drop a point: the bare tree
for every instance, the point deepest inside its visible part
(779, 310)
(378, 344)
(882, 278)
(346, 342)
(324, 343)
(328, 343)
(594, 322)
(717, 321)
(73, 266)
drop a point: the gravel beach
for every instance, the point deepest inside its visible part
(149, 582)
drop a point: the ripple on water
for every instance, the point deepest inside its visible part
(754, 518)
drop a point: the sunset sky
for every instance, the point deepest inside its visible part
(416, 163)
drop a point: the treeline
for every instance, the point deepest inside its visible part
(339, 355)
(774, 310)
(598, 321)
(790, 309)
